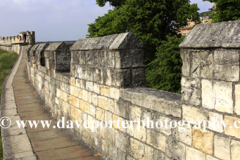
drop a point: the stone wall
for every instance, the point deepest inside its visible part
(106, 82)
(13, 43)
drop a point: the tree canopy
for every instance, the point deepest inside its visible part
(165, 71)
(150, 20)
(225, 10)
(114, 3)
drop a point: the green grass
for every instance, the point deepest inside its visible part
(7, 60)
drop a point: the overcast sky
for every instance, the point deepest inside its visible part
(55, 20)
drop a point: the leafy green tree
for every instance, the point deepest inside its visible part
(225, 10)
(150, 20)
(165, 71)
(114, 3)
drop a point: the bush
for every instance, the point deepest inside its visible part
(165, 71)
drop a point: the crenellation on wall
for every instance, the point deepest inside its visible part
(14, 43)
(105, 81)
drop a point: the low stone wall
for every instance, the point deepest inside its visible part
(106, 82)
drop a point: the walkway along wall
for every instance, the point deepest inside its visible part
(106, 83)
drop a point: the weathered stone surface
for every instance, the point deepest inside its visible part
(213, 35)
(175, 150)
(126, 41)
(215, 122)
(203, 140)
(235, 148)
(207, 94)
(186, 58)
(137, 149)
(184, 136)
(222, 147)
(211, 158)
(226, 65)
(94, 43)
(192, 114)
(237, 99)
(232, 127)
(156, 139)
(193, 154)
(218, 95)
(161, 101)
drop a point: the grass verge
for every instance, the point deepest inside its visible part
(7, 60)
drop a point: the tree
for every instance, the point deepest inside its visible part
(150, 20)
(225, 10)
(115, 3)
(165, 71)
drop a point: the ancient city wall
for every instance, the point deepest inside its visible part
(13, 43)
(104, 79)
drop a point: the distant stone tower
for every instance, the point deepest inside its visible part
(30, 39)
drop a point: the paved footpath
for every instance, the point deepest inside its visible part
(46, 143)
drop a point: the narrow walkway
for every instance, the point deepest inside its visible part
(47, 143)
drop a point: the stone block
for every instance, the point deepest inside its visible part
(193, 154)
(156, 140)
(85, 95)
(94, 99)
(134, 112)
(89, 86)
(208, 94)
(80, 93)
(96, 88)
(72, 81)
(117, 123)
(84, 106)
(71, 100)
(175, 149)
(74, 91)
(105, 91)
(203, 140)
(237, 99)
(121, 77)
(193, 114)
(108, 116)
(222, 147)
(90, 97)
(103, 102)
(184, 136)
(126, 41)
(235, 148)
(114, 93)
(191, 96)
(215, 122)
(186, 58)
(224, 99)
(189, 82)
(138, 133)
(226, 65)
(138, 77)
(111, 105)
(92, 110)
(122, 140)
(217, 95)
(232, 128)
(98, 75)
(137, 149)
(100, 114)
